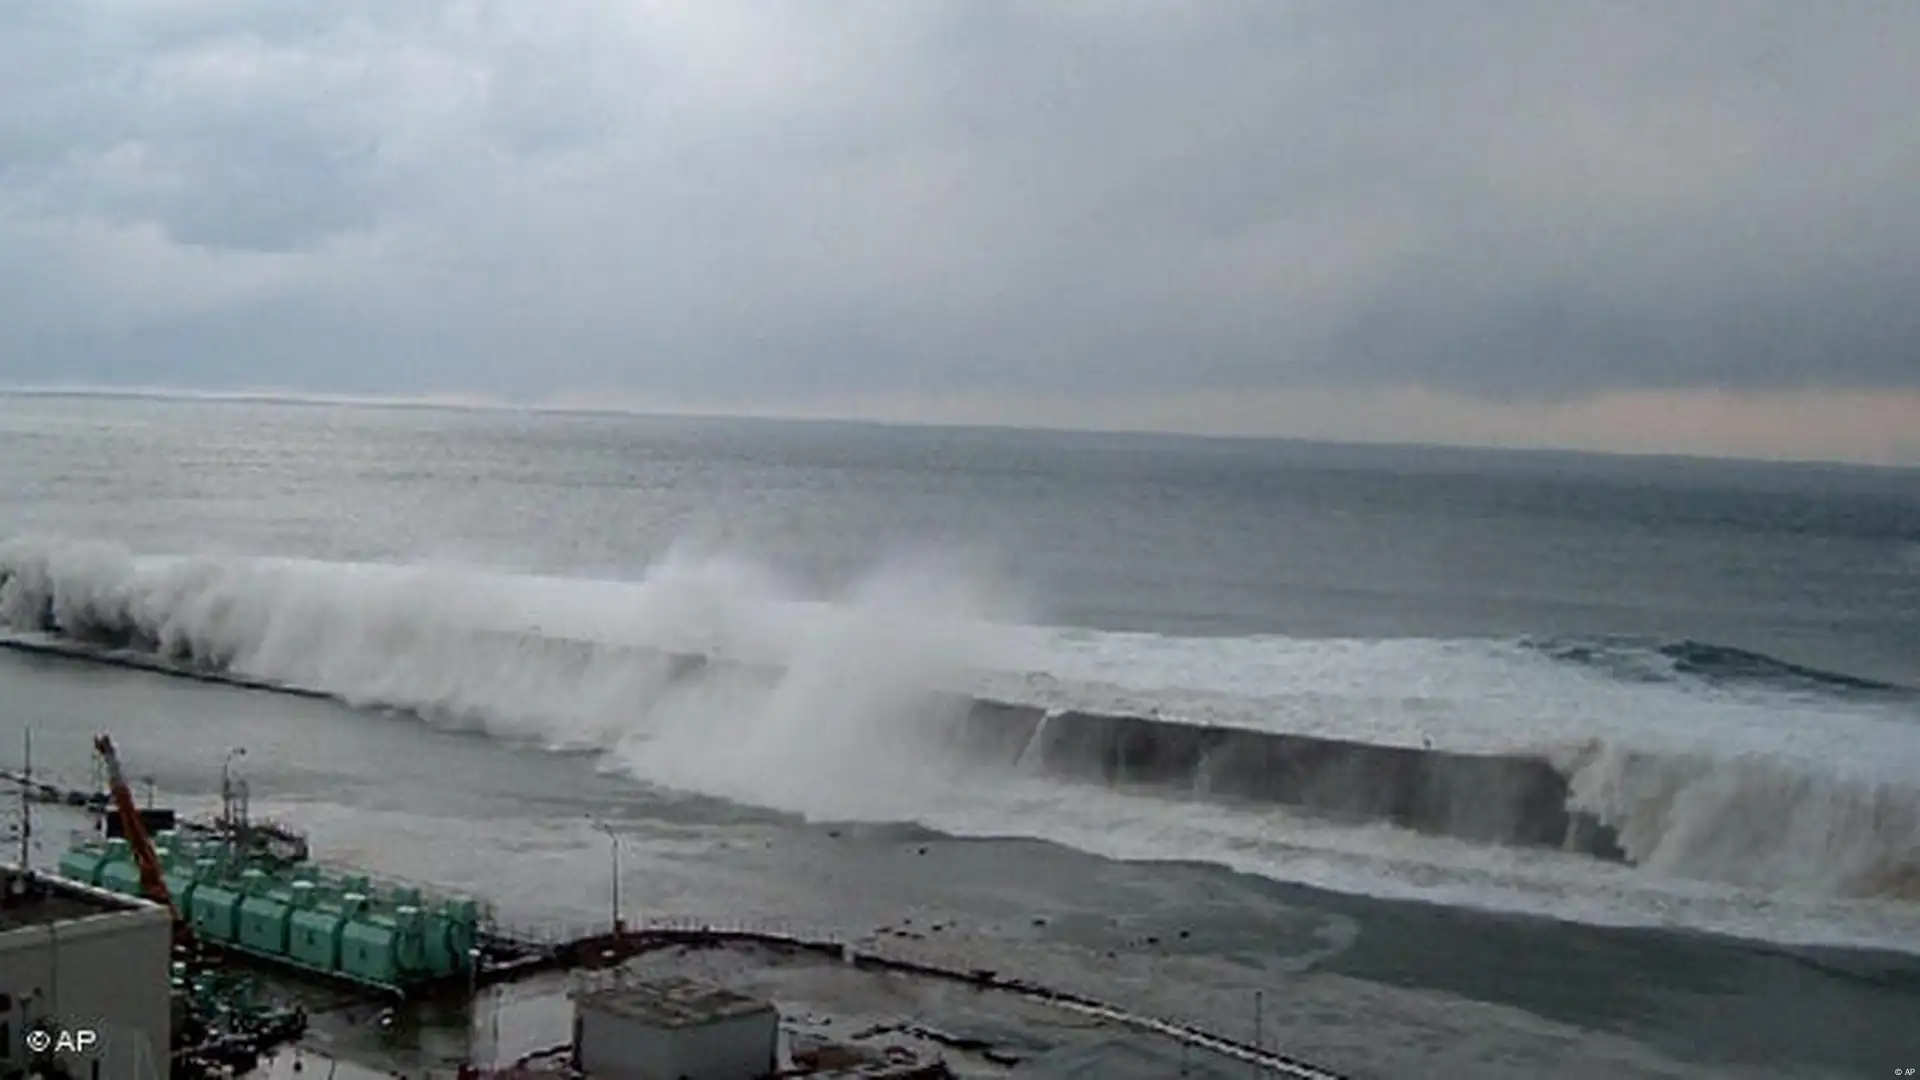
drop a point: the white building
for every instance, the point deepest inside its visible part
(90, 969)
(673, 1029)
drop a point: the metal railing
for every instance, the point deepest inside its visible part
(564, 932)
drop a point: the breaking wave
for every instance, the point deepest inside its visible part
(713, 676)
(1756, 822)
(1651, 660)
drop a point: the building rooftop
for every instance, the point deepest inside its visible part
(41, 899)
(673, 1002)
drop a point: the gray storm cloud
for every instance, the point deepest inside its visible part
(723, 201)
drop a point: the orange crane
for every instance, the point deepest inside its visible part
(152, 881)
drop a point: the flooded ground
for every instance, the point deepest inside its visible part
(1365, 987)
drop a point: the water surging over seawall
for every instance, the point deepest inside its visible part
(1504, 799)
(767, 697)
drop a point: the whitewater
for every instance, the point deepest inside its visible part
(1749, 796)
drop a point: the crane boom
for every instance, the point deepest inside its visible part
(152, 882)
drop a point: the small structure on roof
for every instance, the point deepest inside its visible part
(673, 1029)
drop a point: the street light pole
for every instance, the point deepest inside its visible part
(226, 790)
(473, 1008)
(614, 850)
(26, 805)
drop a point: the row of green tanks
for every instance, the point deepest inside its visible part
(331, 922)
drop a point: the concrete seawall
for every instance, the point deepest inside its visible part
(1493, 798)
(1504, 799)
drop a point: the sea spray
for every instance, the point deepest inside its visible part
(825, 702)
(850, 724)
(826, 687)
(1756, 822)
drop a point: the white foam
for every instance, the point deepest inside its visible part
(1386, 862)
(1760, 812)
(1472, 695)
(1757, 821)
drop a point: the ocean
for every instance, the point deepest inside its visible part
(1538, 764)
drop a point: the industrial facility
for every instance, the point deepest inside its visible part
(328, 922)
(136, 960)
(84, 980)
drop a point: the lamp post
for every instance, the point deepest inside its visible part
(614, 850)
(226, 789)
(473, 1009)
(26, 804)
(226, 771)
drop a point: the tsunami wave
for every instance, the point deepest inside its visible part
(710, 677)
(1635, 658)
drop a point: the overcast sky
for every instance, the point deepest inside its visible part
(1686, 226)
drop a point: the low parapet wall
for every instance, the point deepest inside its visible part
(1510, 798)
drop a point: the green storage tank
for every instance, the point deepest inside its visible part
(179, 851)
(207, 870)
(264, 912)
(410, 941)
(315, 927)
(451, 933)
(119, 872)
(83, 862)
(369, 945)
(181, 881)
(330, 921)
(216, 910)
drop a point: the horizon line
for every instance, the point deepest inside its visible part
(455, 402)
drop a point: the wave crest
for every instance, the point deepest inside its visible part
(1646, 660)
(825, 708)
(1754, 822)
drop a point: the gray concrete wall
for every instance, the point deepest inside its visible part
(106, 973)
(732, 1049)
(736, 1048)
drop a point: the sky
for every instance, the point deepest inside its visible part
(1607, 225)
